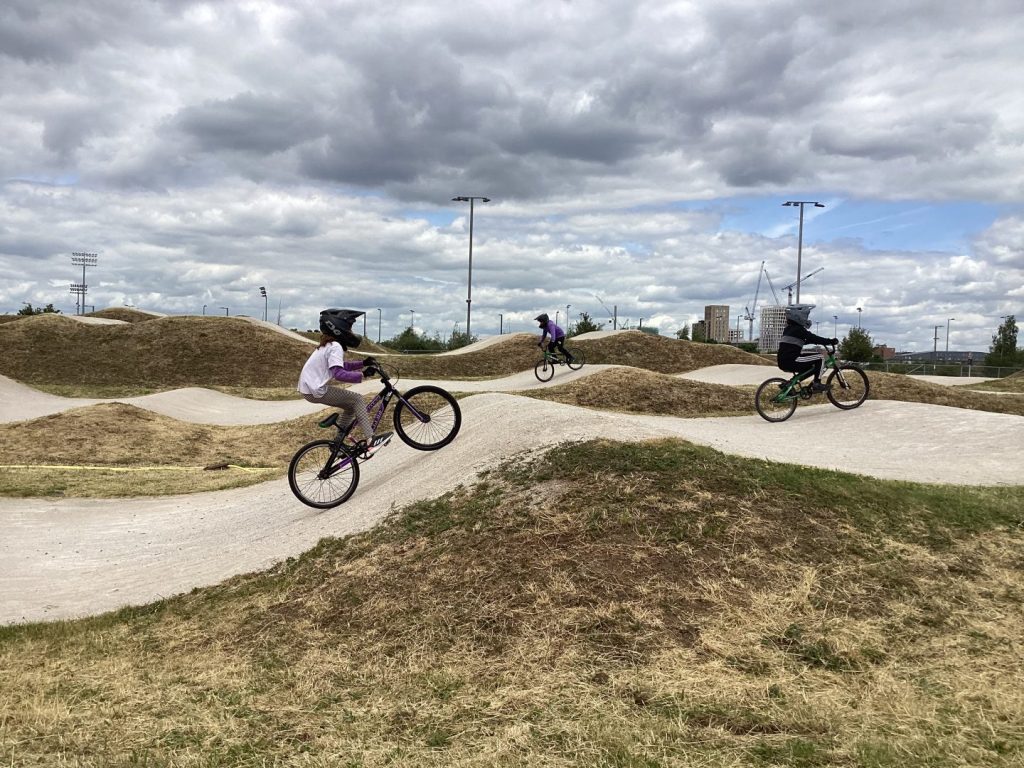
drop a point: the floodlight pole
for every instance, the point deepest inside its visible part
(227, 311)
(800, 237)
(378, 325)
(85, 260)
(263, 293)
(471, 199)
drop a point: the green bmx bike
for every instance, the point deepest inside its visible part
(848, 387)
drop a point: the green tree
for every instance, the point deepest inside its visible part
(684, 333)
(1004, 345)
(410, 341)
(698, 333)
(649, 329)
(585, 324)
(460, 339)
(857, 346)
(28, 309)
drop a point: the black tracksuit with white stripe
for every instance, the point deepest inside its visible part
(791, 356)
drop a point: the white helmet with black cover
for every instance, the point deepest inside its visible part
(800, 314)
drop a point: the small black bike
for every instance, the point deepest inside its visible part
(847, 384)
(545, 367)
(325, 473)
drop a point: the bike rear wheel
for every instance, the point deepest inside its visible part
(433, 420)
(544, 370)
(771, 404)
(323, 476)
(848, 387)
(577, 359)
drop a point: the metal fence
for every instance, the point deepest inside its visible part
(946, 369)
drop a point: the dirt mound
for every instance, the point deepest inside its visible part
(659, 353)
(638, 391)
(161, 352)
(894, 386)
(124, 314)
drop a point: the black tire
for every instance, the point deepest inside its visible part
(444, 418)
(768, 402)
(544, 370)
(848, 387)
(578, 360)
(306, 475)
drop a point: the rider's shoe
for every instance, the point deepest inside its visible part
(819, 387)
(378, 442)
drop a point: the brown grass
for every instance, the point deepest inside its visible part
(894, 386)
(632, 390)
(124, 314)
(124, 436)
(603, 606)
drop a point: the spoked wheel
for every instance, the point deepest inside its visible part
(577, 360)
(432, 421)
(848, 387)
(544, 370)
(771, 403)
(322, 476)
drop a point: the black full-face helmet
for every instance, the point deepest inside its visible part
(337, 323)
(542, 319)
(800, 314)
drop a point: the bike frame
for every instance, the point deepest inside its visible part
(794, 388)
(378, 407)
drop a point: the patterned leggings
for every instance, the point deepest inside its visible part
(350, 402)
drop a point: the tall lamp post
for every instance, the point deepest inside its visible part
(935, 346)
(263, 293)
(859, 310)
(227, 311)
(501, 323)
(567, 317)
(835, 326)
(412, 321)
(84, 260)
(378, 325)
(800, 237)
(947, 335)
(204, 310)
(471, 199)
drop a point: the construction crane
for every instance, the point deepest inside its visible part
(613, 316)
(770, 285)
(791, 285)
(749, 312)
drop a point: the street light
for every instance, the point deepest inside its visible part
(412, 322)
(501, 323)
(935, 347)
(567, 316)
(204, 310)
(800, 239)
(859, 310)
(947, 335)
(469, 282)
(378, 325)
(835, 326)
(263, 293)
(227, 312)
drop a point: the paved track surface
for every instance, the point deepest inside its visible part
(735, 374)
(75, 557)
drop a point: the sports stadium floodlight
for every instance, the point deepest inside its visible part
(469, 282)
(83, 260)
(79, 289)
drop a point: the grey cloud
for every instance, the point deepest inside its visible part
(247, 122)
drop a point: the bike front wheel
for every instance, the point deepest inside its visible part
(577, 360)
(770, 402)
(323, 476)
(544, 370)
(848, 387)
(427, 418)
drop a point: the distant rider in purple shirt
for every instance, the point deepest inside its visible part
(548, 328)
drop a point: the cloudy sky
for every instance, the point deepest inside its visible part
(637, 155)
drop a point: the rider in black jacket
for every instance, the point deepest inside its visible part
(793, 357)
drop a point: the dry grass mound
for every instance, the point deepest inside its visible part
(159, 353)
(603, 605)
(116, 435)
(9, 318)
(124, 314)
(894, 386)
(661, 354)
(632, 390)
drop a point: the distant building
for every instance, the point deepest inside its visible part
(735, 336)
(884, 352)
(773, 321)
(716, 320)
